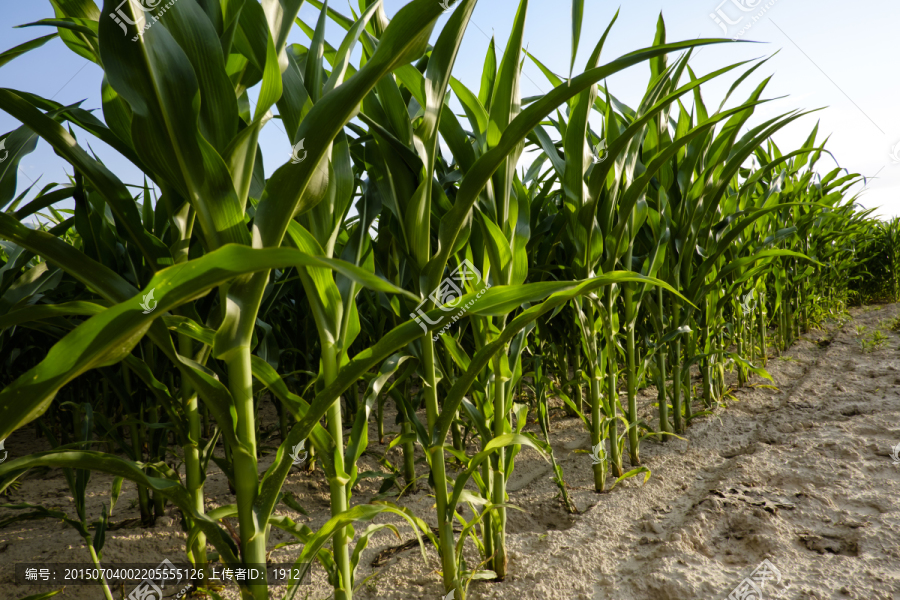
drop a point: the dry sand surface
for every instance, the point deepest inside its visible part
(801, 476)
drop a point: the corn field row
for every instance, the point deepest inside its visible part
(467, 270)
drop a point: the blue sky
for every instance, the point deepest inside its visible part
(832, 54)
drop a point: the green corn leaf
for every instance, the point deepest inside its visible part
(84, 11)
(502, 441)
(118, 467)
(342, 57)
(14, 146)
(155, 76)
(107, 337)
(359, 437)
(577, 17)
(362, 512)
(484, 355)
(632, 473)
(100, 532)
(404, 39)
(115, 193)
(21, 49)
(115, 492)
(477, 177)
(43, 596)
(488, 76)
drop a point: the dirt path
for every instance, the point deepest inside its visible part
(800, 476)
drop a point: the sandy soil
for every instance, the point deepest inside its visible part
(801, 476)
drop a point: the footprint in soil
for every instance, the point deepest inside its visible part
(833, 543)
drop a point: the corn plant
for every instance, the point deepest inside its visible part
(176, 307)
